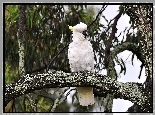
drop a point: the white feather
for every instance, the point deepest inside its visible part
(81, 58)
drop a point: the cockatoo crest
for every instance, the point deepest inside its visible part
(79, 32)
(79, 27)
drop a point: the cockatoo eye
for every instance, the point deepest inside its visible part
(85, 33)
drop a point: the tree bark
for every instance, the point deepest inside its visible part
(131, 91)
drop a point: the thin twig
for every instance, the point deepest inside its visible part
(100, 12)
(141, 68)
(32, 103)
(112, 36)
(57, 101)
(56, 56)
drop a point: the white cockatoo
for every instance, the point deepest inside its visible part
(81, 58)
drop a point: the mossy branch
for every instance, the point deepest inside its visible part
(129, 91)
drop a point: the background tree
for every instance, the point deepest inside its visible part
(46, 36)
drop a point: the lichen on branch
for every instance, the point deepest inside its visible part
(129, 91)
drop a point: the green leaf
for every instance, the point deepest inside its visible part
(15, 17)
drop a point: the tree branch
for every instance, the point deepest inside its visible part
(60, 99)
(131, 91)
(112, 36)
(134, 108)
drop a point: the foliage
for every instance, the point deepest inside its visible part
(10, 73)
(46, 33)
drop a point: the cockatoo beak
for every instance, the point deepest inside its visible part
(71, 28)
